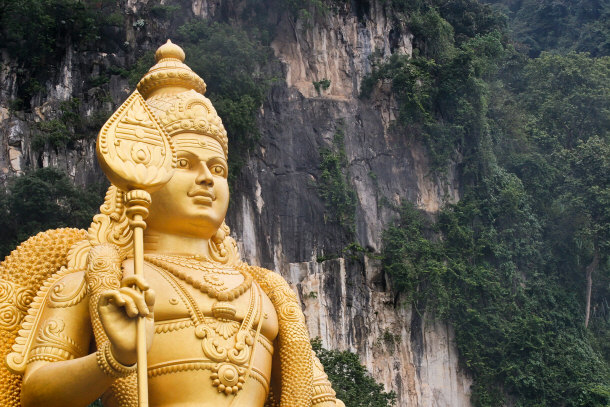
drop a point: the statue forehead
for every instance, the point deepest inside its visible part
(190, 141)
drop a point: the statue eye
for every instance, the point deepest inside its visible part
(218, 170)
(183, 163)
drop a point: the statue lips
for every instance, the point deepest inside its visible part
(202, 197)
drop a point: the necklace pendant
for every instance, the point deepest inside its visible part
(228, 378)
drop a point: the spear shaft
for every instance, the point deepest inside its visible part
(137, 202)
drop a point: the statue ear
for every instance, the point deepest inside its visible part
(223, 248)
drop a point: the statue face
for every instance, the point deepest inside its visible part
(195, 201)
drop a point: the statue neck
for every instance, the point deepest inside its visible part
(162, 242)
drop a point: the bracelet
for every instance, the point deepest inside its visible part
(111, 366)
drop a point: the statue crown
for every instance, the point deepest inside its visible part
(175, 94)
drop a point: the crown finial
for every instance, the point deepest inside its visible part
(170, 75)
(169, 50)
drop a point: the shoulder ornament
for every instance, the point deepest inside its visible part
(26, 275)
(52, 345)
(64, 297)
(33, 267)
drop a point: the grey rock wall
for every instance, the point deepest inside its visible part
(276, 214)
(279, 219)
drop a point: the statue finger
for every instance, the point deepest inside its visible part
(130, 306)
(135, 281)
(111, 297)
(149, 297)
(137, 298)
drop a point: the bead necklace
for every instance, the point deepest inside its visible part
(200, 263)
(229, 295)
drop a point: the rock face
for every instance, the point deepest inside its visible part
(276, 214)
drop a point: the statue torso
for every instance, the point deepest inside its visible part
(214, 335)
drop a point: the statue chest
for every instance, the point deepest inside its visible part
(214, 329)
(211, 296)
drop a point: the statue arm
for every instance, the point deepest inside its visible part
(78, 382)
(59, 372)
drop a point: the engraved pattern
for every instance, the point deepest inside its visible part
(103, 273)
(322, 389)
(190, 365)
(61, 299)
(190, 112)
(233, 353)
(209, 289)
(295, 348)
(225, 329)
(10, 317)
(51, 337)
(133, 150)
(171, 326)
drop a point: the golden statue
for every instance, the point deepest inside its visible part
(152, 305)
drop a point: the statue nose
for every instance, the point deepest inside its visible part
(205, 176)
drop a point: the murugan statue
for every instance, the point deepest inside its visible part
(75, 312)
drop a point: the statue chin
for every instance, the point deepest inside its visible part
(216, 331)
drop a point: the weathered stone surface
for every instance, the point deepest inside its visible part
(281, 219)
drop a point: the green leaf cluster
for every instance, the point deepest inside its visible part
(560, 25)
(333, 186)
(44, 199)
(68, 127)
(507, 264)
(441, 91)
(36, 34)
(352, 382)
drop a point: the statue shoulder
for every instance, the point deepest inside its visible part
(268, 280)
(31, 276)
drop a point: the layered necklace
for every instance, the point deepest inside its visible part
(210, 284)
(233, 356)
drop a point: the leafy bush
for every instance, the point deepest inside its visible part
(44, 199)
(333, 186)
(352, 382)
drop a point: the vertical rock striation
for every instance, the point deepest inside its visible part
(282, 224)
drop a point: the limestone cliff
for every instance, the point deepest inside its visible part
(277, 215)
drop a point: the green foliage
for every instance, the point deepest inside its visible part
(443, 104)
(164, 11)
(35, 33)
(321, 85)
(352, 382)
(506, 265)
(576, 25)
(96, 403)
(44, 199)
(231, 60)
(414, 263)
(333, 186)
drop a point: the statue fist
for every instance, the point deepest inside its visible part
(119, 311)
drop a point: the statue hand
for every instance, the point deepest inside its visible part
(119, 311)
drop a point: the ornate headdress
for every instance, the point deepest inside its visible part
(174, 94)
